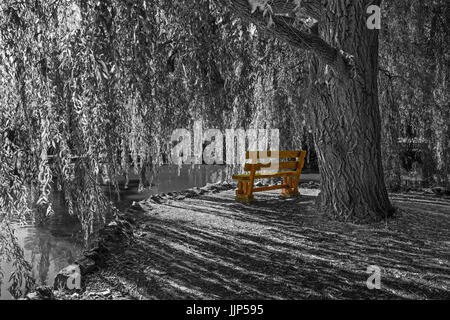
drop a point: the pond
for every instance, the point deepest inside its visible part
(49, 249)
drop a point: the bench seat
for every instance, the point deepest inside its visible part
(291, 178)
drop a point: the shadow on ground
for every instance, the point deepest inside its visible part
(211, 247)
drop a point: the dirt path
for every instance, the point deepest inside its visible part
(210, 247)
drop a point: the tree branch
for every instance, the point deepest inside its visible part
(312, 8)
(283, 29)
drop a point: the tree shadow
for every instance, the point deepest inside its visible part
(214, 248)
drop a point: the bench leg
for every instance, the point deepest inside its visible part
(292, 191)
(245, 198)
(243, 192)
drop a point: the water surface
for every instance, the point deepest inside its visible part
(49, 249)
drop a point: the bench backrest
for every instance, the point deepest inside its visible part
(269, 159)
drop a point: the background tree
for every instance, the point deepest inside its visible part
(414, 63)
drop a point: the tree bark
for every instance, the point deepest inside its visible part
(347, 120)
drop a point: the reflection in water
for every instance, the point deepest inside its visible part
(173, 178)
(168, 178)
(11, 253)
(45, 252)
(49, 249)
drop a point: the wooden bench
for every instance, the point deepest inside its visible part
(291, 175)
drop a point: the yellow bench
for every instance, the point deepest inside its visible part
(291, 177)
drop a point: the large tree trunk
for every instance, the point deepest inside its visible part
(346, 120)
(344, 113)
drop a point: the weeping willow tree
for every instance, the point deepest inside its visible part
(95, 88)
(92, 88)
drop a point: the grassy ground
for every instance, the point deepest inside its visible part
(210, 247)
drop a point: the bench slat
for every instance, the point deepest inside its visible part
(268, 188)
(264, 175)
(273, 154)
(281, 165)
